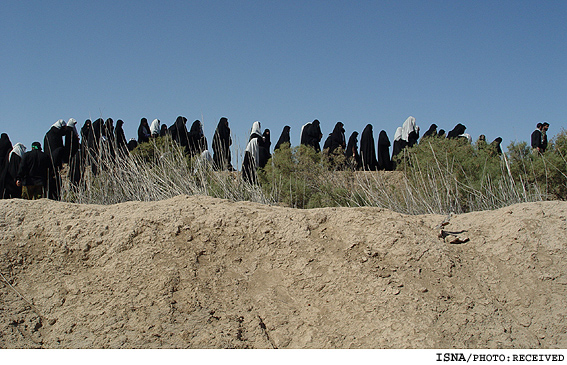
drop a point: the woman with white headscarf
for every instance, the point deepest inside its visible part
(399, 143)
(55, 149)
(155, 128)
(410, 132)
(8, 187)
(54, 139)
(252, 154)
(71, 140)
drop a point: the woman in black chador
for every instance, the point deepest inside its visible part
(410, 132)
(196, 140)
(163, 130)
(252, 153)
(336, 138)
(284, 137)
(494, 148)
(53, 141)
(86, 130)
(313, 135)
(94, 142)
(8, 176)
(265, 149)
(457, 131)
(71, 140)
(303, 135)
(109, 138)
(72, 156)
(178, 132)
(221, 146)
(431, 132)
(5, 148)
(55, 149)
(384, 162)
(351, 152)
(121, 143)
(367, 151)
(399, 143)
(143, 131)
(96, 135)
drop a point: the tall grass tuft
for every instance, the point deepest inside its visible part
(156, 170)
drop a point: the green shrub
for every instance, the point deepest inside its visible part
(302, 178)
(546, 172)
(454, 175)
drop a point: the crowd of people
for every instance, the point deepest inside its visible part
(37, 173)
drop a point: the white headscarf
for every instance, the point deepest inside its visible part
(73, 124)
(467, 136)
(154, 127)
(407, 128)
(206, 156)
(256, 129)
(398, 134)
(19, 149)
(59, 124)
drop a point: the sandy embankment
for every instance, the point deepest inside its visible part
(198, 272)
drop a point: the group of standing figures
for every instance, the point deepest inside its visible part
(37, 173)
(370, 156)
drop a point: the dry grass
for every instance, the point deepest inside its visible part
(434, 188)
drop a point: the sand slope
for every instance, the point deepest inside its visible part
(198, 272)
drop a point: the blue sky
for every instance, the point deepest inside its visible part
(498, 67)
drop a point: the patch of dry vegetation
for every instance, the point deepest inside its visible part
(436, 176)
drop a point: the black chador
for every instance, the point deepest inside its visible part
(384, 162)
(71, 141)
(303, 136)
(284, 138)
(144, 131)
(367, 151)
(121, 143)
(313, 135)
(5, 148)
(72, 155)
(95, 136)
(457, 131)
(336, 138)
(265, 144)
(86, 130)
(431, 132)
(55, 149)
(53, 141)
(178, 132)
(196, 140)
(163, 130)
(495, 148)
(399, 143)
(221, 146)
(8, 176)
(351, 152)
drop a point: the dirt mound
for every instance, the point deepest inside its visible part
(198, 272)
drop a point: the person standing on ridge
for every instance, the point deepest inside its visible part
(32, 173)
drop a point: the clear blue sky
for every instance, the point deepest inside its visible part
(498, 67)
